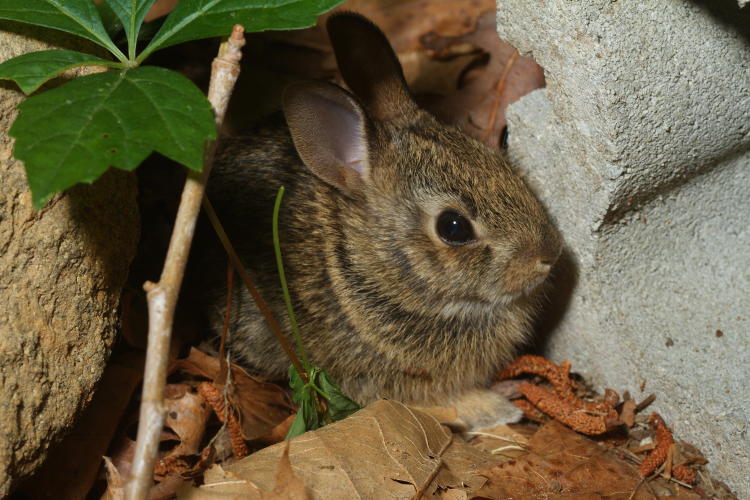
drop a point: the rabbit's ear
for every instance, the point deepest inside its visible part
(330, 131)
(369, 66)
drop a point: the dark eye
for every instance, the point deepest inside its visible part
(454, 229)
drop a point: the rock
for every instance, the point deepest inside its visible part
(61, 273)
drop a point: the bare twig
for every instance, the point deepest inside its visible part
(224, 362)
(162, 296)
(228, 312)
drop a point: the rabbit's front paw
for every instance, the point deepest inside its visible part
(483, 408)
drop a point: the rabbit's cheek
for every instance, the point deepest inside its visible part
(466, 308)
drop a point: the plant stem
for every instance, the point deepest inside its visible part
(259, 301)
(162, 296)
(282, 277)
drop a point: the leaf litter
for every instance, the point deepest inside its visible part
(461, 71)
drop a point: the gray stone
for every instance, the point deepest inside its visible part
(640, 149)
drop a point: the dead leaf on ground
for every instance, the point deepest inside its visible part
(444, 415)
(503, 440)
(91, 435)
(187, 415)
(115, 484)
(262, 405)
(564, 464)
(459, 473)
(453, 60)
(485, 90)
(386, 450)
(288, 485)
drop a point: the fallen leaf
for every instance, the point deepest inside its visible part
(446, 416)
(563, 464)
(122, 454)
(115, 484)
(219, 483)
(502, 440)
(62, 477)
(386, 450)
(187, 415)
(261, 405)
(288, 485)
(627, 414)
(453, 60)
(458, 475)
(478, 103)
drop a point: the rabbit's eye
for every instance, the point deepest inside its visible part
(454, 229)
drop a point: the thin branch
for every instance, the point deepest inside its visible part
(162, 296)
(224, 357)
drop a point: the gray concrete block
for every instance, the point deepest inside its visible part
(640, 148)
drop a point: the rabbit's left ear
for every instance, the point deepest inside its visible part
(369, 66)
(330, 131)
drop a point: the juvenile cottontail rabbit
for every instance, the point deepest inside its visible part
(413, 252)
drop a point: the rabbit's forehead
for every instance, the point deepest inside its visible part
(480, 187)
(440, 167)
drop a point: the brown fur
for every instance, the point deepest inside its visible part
(384, 305)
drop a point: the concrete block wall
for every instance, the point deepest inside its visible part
(640, 149)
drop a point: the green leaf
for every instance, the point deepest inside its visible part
(71, 134)
(131, 14)
(339, 406)
(31, 70)
(195, 19)
(111, 22)
(297, 427)
(296, 383)
(305, 395)
(79, 17)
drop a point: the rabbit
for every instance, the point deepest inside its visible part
(414, 254)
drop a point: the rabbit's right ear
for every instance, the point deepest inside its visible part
(369, 66)
(330, 132)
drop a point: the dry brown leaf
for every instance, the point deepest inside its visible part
(279, 432)
(453, 60)
(503, 440)
(486, 90)
(404, 21)
(627, 414)
(386, 450)
(220, 484)
(115, 484)
(91, 435)
(288, 485)
(446, 416)
(187, 415)
(122, 453)
(563, 464)
(458, 475)
(262, 405)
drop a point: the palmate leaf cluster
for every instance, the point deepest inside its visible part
(76, 131)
